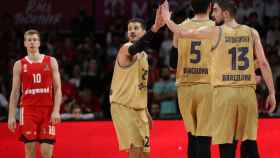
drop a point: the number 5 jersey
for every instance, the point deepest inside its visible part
(194, 56)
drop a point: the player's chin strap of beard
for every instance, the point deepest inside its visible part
(142, 43)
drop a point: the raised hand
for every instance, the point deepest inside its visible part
(158, 21)
(165, 13)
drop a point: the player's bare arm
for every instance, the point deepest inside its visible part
(55, 117)
(266, 71)
(14, 97)
(258, 77)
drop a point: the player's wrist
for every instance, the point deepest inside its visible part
(155, 28)
(11, 117)
(56, 111)
(271, 93)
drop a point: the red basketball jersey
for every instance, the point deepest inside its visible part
(37, 82)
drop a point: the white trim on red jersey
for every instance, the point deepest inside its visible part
(31, 62)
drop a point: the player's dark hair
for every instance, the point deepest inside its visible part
(138, 20)
(32, 32)
(200, 6)
(228, 5)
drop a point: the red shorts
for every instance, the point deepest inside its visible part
(35, 124)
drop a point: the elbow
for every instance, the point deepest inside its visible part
(57, 91)
(15, 94)
(263, 64)
(59, 94)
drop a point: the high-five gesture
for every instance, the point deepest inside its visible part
(158, 21)
(165, 13)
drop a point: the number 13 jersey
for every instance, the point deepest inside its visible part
(233, 59)
(36, 82)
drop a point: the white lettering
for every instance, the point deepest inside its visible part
(37, 91)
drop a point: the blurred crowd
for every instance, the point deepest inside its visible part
(86, 56)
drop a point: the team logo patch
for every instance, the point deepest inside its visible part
(46, 68)
(142, 86)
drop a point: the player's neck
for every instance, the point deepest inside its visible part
(34, 56)
(201, 17)
(231, 23)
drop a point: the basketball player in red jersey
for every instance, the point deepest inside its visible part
(38, 79)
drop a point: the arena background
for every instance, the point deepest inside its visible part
(84, 36)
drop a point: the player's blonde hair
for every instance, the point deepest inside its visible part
(31, 32)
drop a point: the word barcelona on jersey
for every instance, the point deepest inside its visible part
(203, 71)
(245, 77)
(37, 91)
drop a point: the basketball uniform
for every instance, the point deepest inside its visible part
(193, 81)
(235, 114)
(128, 98)
(36, 102)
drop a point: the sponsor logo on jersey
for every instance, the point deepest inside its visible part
(37, 91)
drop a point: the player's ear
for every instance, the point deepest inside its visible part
(24, 42)
(226, 13)
(210, 8)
